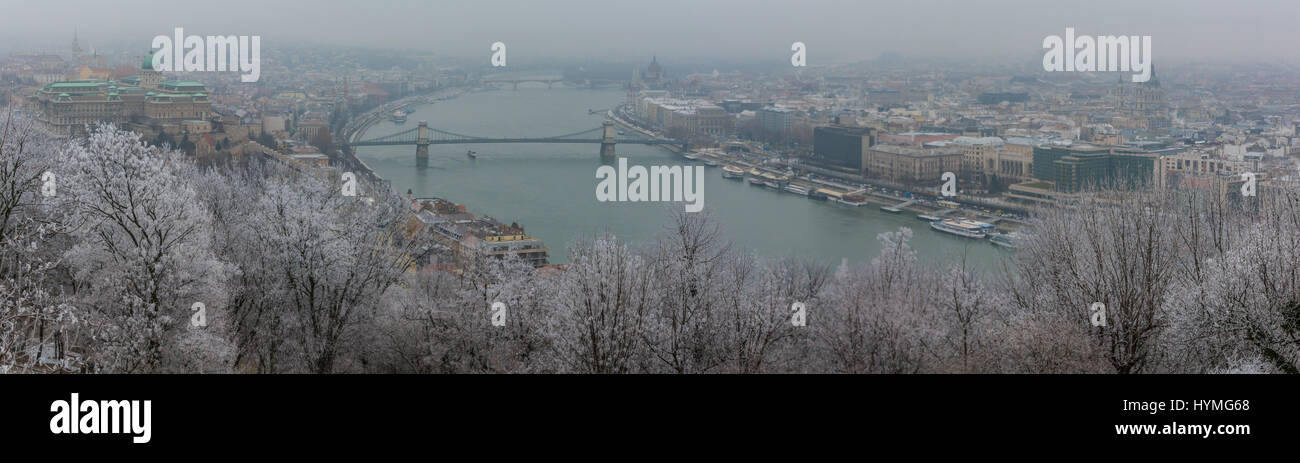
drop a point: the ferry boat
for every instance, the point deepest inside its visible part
(773, 184)
(961, 227)
(711, 163)
(817, 195)
(733, 173)
(891, 209)
(471, 154)
(796, 189)
(928, 218)
(398, 116)
(754, 181)
(1011, 240)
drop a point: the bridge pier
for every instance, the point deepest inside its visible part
(607, 141)
(422, 145)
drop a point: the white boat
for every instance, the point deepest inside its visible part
(796, 189)
(928, 218)
(891, 209)
(1011, 240)
(733, 172)
(961, 227)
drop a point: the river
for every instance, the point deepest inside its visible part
(550, 188)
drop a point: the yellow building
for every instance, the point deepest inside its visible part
(88, 73)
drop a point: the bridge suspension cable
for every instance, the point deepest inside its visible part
(439, 136)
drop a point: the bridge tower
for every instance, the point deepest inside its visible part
(607, 141)
(422, 145)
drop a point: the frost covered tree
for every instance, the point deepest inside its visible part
(39, 327)
(757, 326)
(1251, 292)
(876, 316)
(314, 265)
(438, 322)
(143, 255)
(1119, 250)
(600, 308)
(968, 310)
(683, 330)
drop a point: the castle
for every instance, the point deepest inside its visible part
(146, 102)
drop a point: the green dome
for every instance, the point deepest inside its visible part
(148, 62)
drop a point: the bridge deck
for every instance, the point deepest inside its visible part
(443, 137)
(639, 141)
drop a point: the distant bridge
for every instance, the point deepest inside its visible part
(550, 81)
(423, 136)
(515, 81)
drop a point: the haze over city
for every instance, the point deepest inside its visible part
(835, 31)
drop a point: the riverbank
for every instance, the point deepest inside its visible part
(863, 194)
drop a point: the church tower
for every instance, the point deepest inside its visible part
(77, 52)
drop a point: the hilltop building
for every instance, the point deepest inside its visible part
(145, 102)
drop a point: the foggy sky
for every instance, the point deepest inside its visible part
(834, 31)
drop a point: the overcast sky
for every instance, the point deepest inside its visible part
(834, 31)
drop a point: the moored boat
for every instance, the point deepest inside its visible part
(733, 172)
(796, 189)
(961, 227)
